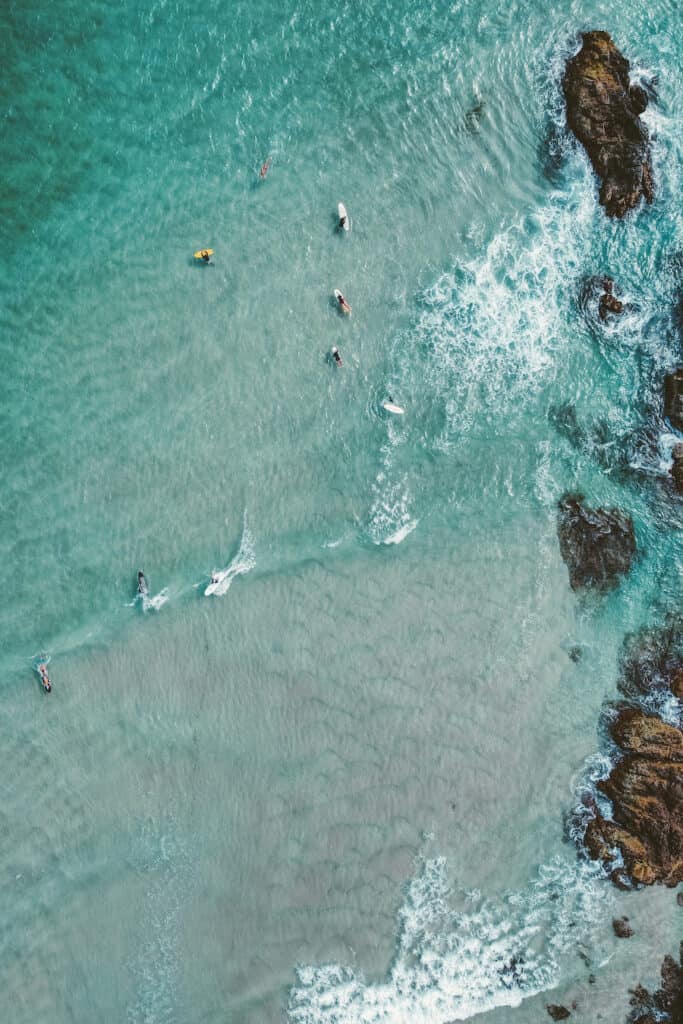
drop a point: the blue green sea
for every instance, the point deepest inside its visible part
(336, 791)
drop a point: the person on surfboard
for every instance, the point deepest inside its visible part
(343, 304)
(336, 356)
(264, 168)
(205, 255)
(44, 678)
(342, 222)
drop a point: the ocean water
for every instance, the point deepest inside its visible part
(335, 791)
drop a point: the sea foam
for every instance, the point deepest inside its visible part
(450, 965)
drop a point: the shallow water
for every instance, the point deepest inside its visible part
(381, 706)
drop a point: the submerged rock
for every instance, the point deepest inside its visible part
(558, 1012)
(622, 929)
(652, 661)
(597, 545)
(673, 398)
(603, 112)
(645, 788)
(665, 1006)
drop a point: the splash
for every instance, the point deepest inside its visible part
(243, 562)
(450, 965)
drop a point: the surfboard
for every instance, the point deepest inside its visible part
(392, 407)
(199, 255)
(213, 587)
(341, 209)
(338, 295)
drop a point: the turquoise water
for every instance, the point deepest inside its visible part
(336, 791)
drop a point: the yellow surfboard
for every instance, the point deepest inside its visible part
(201, 253)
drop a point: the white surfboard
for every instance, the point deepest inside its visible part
(338, 295)
(341, 209)
(392, 407)
(215, 583)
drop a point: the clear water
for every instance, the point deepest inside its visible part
(336, 791)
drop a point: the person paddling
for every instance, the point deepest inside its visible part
(44, 678)
(343, 304)
(336, 356)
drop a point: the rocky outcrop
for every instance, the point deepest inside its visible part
(673, 398)
(558, 1012)
(677, 467)
(645, 788)
(603, 111)
(597, 545)
(665, 1006)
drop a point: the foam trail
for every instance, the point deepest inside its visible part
(156, 964)
(451, 965)
(243, 562)
(155, 603)
(390, 516)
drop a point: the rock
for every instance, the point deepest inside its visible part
(558, 1012)
(652, 661)
(597, 545)
(645, 788)
(622, 929)
(677, 467)
(679, 899)
(647, 735)
(609, 304)
(665, 1006)
(603, 112)
(673, 398)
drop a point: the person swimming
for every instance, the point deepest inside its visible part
(142, 583)
(336, 356)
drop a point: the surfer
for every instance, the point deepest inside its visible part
(336, 356)
(44, 677)
(342, 222)
(343, 304)
(142, 583)
(215, 578)
(206, 255)
(264, 168)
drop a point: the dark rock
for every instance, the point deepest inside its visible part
(639, 99)
(652, 661)
(602, 111)
(679, 899)
(673, 398)
(597, 545)
(558, 1012)
(677, 467)
(622, 929)
(591, 979)
(665, 1006)
(609, 304)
